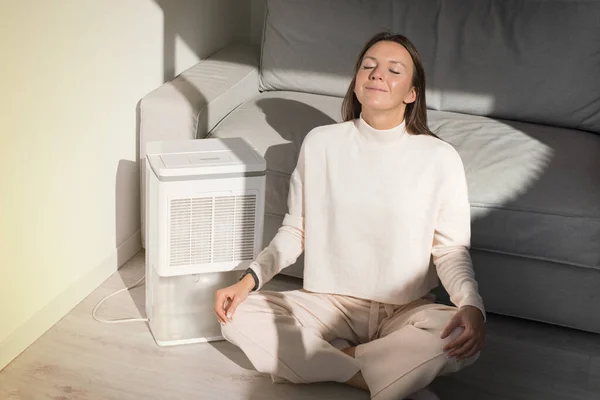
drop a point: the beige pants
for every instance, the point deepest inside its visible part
(288, 335)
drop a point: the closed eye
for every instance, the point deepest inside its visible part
(372, 67)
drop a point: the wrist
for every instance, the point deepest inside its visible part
(474, 309)
(247, 282)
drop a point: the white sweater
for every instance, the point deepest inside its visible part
(371, 209)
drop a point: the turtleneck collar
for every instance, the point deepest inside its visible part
(371, 134)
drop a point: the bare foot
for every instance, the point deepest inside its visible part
(349, 350)
(357, 381)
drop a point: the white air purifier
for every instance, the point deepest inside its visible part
(205, 215)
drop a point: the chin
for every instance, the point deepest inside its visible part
(374, 102)
(375, 106)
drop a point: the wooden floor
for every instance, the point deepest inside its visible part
(80, 358)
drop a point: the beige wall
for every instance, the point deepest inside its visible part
(71, 76)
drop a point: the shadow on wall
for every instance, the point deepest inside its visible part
(126, 202)
(127, 199)
(183, 18)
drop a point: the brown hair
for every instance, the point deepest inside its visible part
(415, 114)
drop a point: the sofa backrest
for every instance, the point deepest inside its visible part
(528, 60)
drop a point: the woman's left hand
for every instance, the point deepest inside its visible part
(470, 341)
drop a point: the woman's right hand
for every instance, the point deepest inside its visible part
(229, 298)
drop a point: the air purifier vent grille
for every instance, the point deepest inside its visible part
(212, 229)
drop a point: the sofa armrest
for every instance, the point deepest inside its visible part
(191, 104)
(194, 102)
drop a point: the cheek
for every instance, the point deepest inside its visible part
(396, 83)
(399, 86)
(361, 78)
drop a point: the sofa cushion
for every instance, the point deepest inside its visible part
(534, 189)
(529, 60)
(534, 61)
(276, 124)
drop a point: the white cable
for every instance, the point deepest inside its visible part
(118, 321)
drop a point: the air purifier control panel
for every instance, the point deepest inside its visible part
(195, 160)
(204, 157)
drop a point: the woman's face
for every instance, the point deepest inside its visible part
(384, 78)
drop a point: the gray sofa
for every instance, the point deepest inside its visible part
(514, 86)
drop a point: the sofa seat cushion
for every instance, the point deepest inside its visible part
(276, 124)
(534, 190)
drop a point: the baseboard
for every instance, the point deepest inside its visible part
(128, 249)
(20, 339)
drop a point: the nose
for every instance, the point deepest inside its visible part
(376, 74)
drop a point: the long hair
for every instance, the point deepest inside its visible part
(415, 114)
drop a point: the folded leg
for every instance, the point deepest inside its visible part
(408, 353)
(287, 335)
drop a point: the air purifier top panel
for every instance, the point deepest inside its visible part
(203, 157)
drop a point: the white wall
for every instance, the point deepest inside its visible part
(72, 74)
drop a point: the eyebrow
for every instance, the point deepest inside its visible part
(392, 61)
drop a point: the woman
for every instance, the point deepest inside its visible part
(372, 201)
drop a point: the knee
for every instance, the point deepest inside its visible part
(434, 322)
(453, 365)
(240, 324)
(229, 332)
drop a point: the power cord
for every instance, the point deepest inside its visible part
(122, 320)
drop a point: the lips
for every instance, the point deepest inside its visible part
(375, 89)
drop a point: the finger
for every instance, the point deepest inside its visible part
(454, 323)
(458, 341)
(462, 350)
(474, 350)
(220, 300)
(232, 307)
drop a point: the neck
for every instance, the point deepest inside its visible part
(374, 135)
(382, 120)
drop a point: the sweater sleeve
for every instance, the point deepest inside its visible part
(288, 244)
(452, 240)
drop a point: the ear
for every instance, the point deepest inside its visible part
(412, 96)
